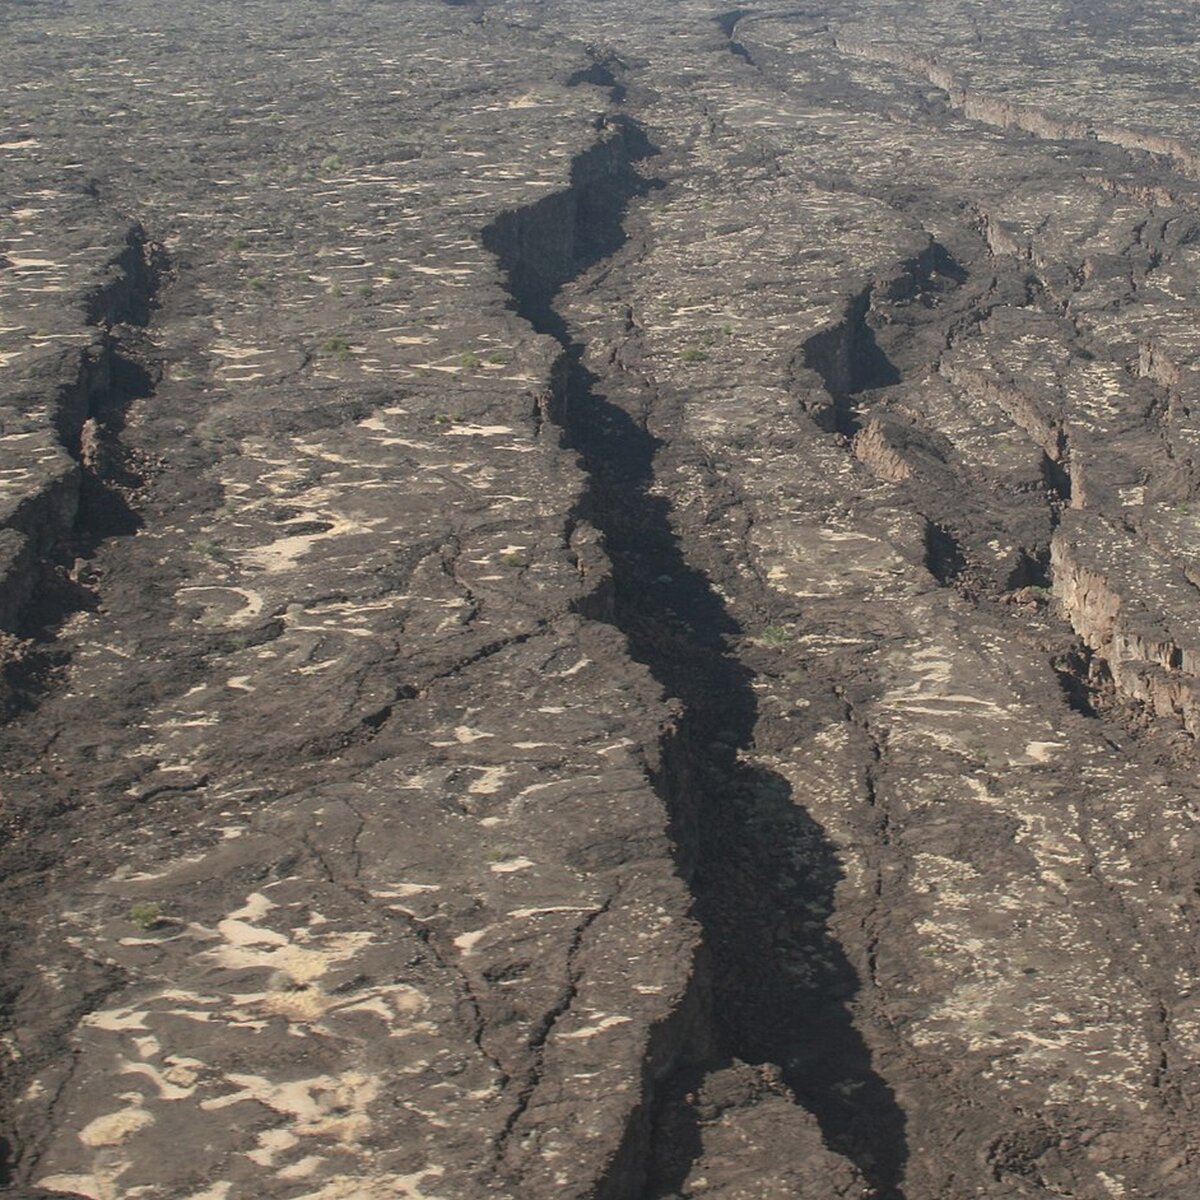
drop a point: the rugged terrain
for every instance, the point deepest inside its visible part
(599, 600)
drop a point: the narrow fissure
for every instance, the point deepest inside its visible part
(1086, 683)
(762, 872)
(44, 573)
(944, 559)
(849, 361)
(856, 370)
(602, 73)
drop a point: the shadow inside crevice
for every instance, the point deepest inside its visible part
(600, 73)
(849, 361)
(762, 871)
(108, 475)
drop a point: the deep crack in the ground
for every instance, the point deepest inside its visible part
(781, 989)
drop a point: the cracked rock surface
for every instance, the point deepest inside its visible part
(599, 601)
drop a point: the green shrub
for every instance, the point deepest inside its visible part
(207, 547)
(145, 914)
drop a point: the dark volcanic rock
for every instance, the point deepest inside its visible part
(598, 601)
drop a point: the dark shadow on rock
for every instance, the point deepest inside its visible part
(601, 73)
(727, 22)
(108, 475)
(944, 558)
(762, 872)
(848, 360)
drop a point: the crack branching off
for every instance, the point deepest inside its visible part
(545, 1026)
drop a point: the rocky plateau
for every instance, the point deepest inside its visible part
(599, 601)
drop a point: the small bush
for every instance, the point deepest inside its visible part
(207, 547)
(338, 347)
(145, 914)
(469, 360)
(694, 355)
(776, 635)
(512, 560)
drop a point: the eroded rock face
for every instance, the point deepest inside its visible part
(598, 601)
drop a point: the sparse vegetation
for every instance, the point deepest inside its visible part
(145, 914)
(693, 354)
(336, 347)
(207, 547)
(510, 559)
(775, 635)
(469, 360)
